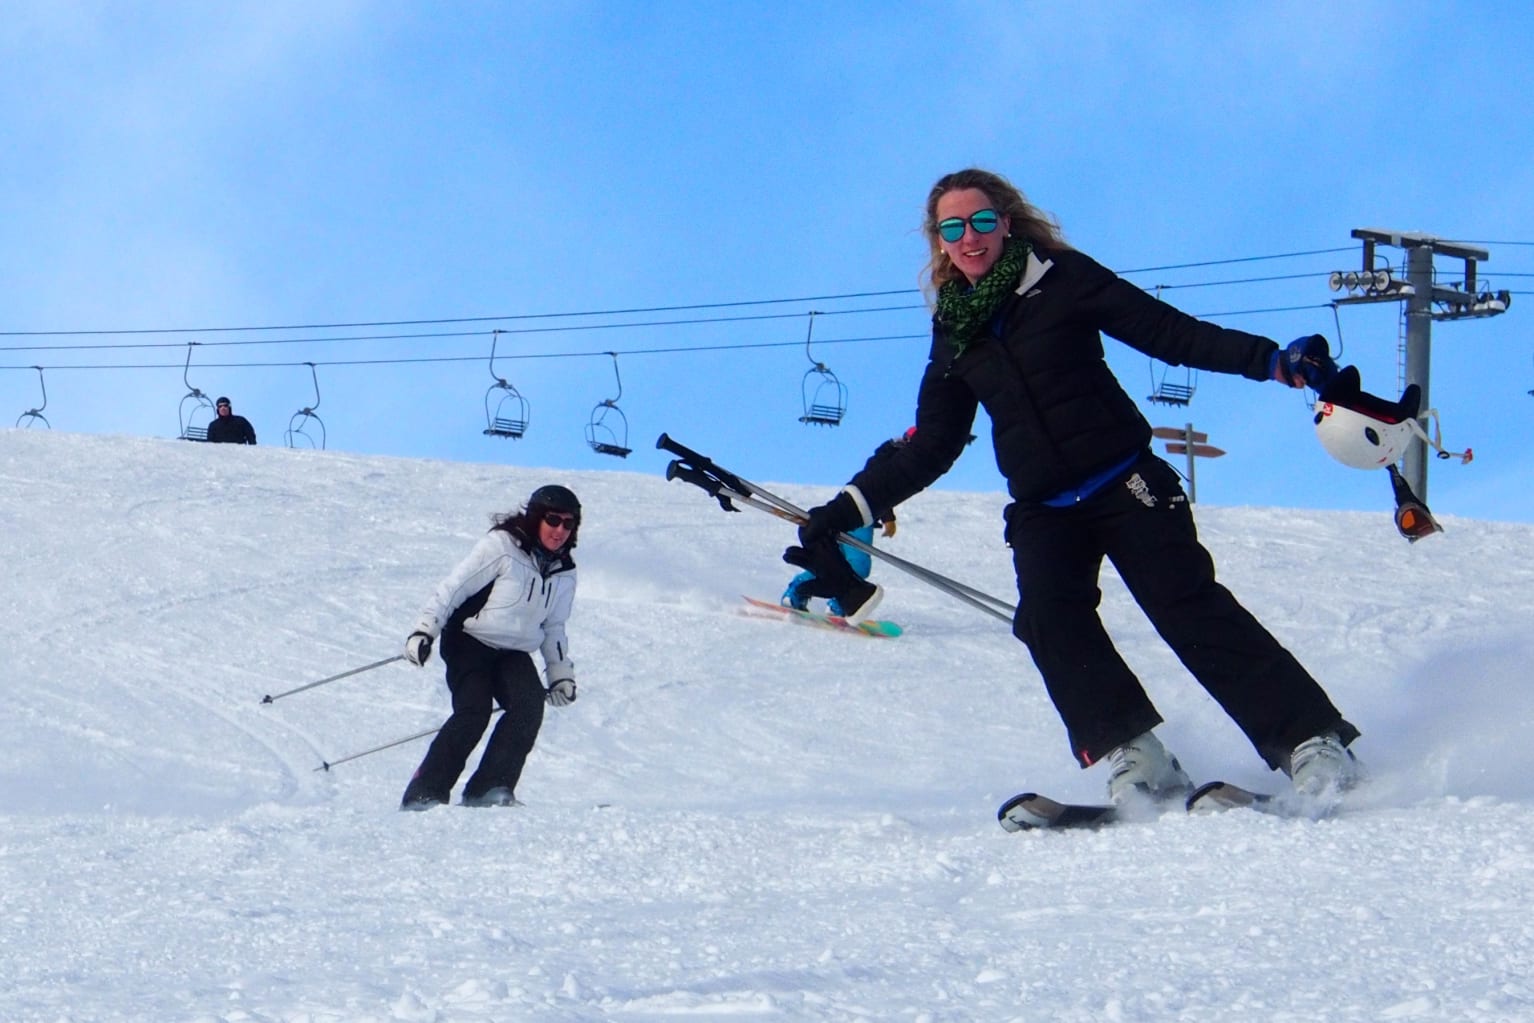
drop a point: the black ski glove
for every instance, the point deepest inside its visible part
(824, 560)
(418, 648)
(839, 515)
(1306, 362)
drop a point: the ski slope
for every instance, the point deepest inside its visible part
(739, 818)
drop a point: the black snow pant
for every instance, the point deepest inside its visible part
(476, 676)
(1144, 526)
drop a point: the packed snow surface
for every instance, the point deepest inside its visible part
(740, 818)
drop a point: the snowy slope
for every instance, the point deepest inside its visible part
(739, 817)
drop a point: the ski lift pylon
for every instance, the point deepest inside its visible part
(608, 430)
(194, 420)
(298, 425)
(824, 396)
(35, 415)
(506, 410)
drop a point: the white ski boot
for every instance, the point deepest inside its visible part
(1322, 770)
(1142, 768)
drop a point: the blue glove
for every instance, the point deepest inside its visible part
(1306, 362)
(839, 515)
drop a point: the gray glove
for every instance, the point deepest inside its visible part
(562, 693)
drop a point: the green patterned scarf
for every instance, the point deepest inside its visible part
(965, 312)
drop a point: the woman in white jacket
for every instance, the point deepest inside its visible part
(512, 595)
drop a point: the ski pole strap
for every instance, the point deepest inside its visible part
(741, 486)
(1436, 440)
(702, 464)
(678, 470)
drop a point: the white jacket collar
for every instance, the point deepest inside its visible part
(1033, 271)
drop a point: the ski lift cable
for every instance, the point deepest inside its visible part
(745, 303)
(460, 319)
(697, 321)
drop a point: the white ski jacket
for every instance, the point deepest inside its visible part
(525, 610)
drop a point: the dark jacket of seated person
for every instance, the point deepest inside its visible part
(228, 428)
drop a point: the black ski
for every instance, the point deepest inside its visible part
(1029, 811)
(1222, 795)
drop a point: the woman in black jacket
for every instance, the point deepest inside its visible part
(1017, 327)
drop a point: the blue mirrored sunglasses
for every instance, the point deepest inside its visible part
(983, 221)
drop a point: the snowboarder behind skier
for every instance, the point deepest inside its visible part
(511, 595)
(837, 571)
(1017, 324)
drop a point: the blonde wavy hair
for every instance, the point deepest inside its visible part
(1029, 223)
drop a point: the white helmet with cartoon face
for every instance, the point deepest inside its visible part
(1361, 430)
(1360, 440)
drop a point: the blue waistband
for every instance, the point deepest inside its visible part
(1091, 484)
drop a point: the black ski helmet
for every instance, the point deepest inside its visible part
(553, 497)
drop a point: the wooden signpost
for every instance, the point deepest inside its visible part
(1187, 441)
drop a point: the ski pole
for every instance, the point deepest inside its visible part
(335, 678)
(326, 765)
(726, 487)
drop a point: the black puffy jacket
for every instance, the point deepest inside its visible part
(1058, 414)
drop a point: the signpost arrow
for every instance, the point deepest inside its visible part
(1173, 433)
(1200, 450)
(1187, 441)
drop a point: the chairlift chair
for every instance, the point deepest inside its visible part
(506, 411)
(35, 415)
(298, 425)
(608, 431)
(824, 396)
(196, 409)
(1166, 392)
(509, 417)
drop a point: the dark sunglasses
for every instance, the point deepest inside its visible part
(557, 520)
(983, 221)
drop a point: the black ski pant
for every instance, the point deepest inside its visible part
(1144, 526)
(479, 676)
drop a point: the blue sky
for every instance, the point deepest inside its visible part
(433, 172)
